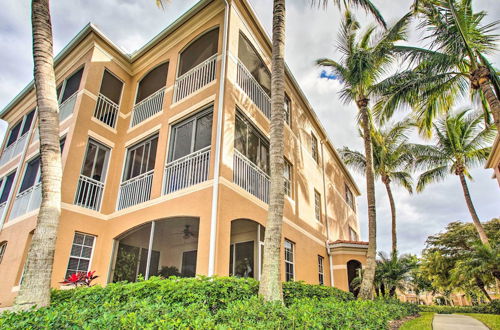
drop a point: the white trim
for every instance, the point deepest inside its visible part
(339, 267)
(198, 91)
(100, 123)
(187, 112)
(143, 135)
(100, 139)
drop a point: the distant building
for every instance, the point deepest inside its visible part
(494, 159)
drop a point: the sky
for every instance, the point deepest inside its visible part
(310, 34)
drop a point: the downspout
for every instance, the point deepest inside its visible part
(330, 258)
(220, 112)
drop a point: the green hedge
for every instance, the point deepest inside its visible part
(205, 303)
(491, 308)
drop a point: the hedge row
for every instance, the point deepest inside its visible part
(491, 308)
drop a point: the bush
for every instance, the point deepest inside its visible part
(491, 308)
(205, 303)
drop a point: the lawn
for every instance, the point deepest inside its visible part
(490, 320)
(424, 322)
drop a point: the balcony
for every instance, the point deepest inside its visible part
(89, 193)
(252, 88)
(66, 108)
(195, 79)
(14, 149)
(187, 171)
(249, 177)
(27, 201)
(106, 111)
(136, 190)
(148, 107)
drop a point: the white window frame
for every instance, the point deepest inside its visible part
(317, 206)
(321, 269)
(289, 251)
(314, 148)
(21, 129)
(136, 146)
(63, 84)
(288, 111)
(349, 197)
(99, 145)
(82, 245)
(288, 168)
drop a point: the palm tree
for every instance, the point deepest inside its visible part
(455, 65)
(460, 144)
(391, 159)
(364, 61)
(394, 272)
(35, 287)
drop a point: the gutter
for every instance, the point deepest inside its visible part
(218, 142)
(330, 258)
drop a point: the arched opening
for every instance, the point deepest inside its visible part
(158, 248)
(198, 51)
(246, 248)
(152, 82)
(353, 272)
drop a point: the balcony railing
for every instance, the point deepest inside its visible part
(89, 193)
(66, 108)
(252, 88)
(14, 149)
(106, 111)
(251, 178)
(27, 201)
(148, 107)
(187, 171)
(136, 190)
(194, 79)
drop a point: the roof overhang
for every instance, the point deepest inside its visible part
(346, 246)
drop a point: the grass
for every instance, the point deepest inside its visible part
(490, 320)
(423, 322)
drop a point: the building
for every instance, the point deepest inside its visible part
(494, 159)
(165, 160)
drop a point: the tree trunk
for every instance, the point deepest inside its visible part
(387, 184)
(270, 285)
(472, 210)
(480, 285)
(481, 79)
(35, 288)
(366, 291)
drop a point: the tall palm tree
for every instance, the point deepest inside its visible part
(35, 287)
(392, 157)
(460, 144)
(394, 272)
(455, 65)
(364, 59)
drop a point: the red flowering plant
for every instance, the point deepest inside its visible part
(80, 279)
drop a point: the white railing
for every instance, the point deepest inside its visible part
(252, 88)
(2, 208)
(251, 178)
(136, 190)
(27, 201)
(66, 108)
(148, 107)
(194, 79)
(187, 171)
(14, 149)
(89, 193)
(106, 111)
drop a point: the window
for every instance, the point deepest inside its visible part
(241, 259)
(349, 197)
(111, 87)
(81, 253)
(140, 158)
(251, 143)
(152, 82)
(254, 64)
(96, 160)
(314, 148)
(191, 135)
(6, 186)
(31, 174)
(21, 128)
(289, 260)
(317, 205)
(3, 247)
(288, 110)
(287, 174)
(353, 236)
(198, 51)
(321, 273)
(69, 86)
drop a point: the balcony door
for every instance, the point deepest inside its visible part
(251, 143)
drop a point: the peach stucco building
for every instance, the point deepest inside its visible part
(165, 160)
(494, 159)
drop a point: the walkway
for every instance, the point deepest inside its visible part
(456, 322)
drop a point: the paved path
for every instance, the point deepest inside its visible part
(456, 322)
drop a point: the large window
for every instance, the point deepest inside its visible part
(21, 128)
(254, 64)
(141, 158)
(152, 82)
(96, 160)
(191, 135)
(251, 143)
(81, 253)
(287, 174)
(198, 51)
(314, 148)
(349, 197)
(321, 271)
(317, 205)
(69, 86)
(6, 186)
(289, 260)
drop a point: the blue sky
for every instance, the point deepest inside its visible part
(311, 34)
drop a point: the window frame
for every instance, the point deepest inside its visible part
(321, 270)
(288, 167)
(349, 197)
(353, 235)
(62, 85)
(118, 78)
(22, 123)
(3, 183)
(201, 35)
(314, 148)
(288, 113)
(318, 214)
(291, 251)
(3, 248)
(135, 146)
(82, 245)
(106, 159)
(258, 55)
(167, 62)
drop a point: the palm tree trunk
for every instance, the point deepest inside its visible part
(393, 216)
(472, 210)
(366, 290)
(481, 287)
(270, 285)
(481, 77)
(35, 288)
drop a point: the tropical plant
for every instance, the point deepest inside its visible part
(80, 279)
(392, 157)
(394, 272)
(365, 58)
(35, 287)
(460, 144)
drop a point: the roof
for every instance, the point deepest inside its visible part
(348, 244)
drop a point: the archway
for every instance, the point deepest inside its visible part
(158, 248)
(246, 248)
(353, 271)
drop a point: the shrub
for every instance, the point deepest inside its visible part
(491, 308)
(300, 290)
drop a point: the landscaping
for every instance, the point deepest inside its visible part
(423, 322)
(491, 321)
(203, 302)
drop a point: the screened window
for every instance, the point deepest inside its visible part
(31, 174)
(251, 143)
(69, 86)
(81, 253)
(21, 128)
(96, 160)
(191, 135)
(289, 260)
(6, 187)
(111, 87)
(288, 110)
(198, 51)
(152, 82)
(353, 236)
(3, 247)
(314, 148)
(254, 64)
(321, 272)
(287, 174)
(317, 205)
(349, 197)
(141, 158)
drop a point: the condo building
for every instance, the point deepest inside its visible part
(165, 156)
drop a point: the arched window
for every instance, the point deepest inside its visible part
(198, 51)
(254, 63)
(152, 82)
